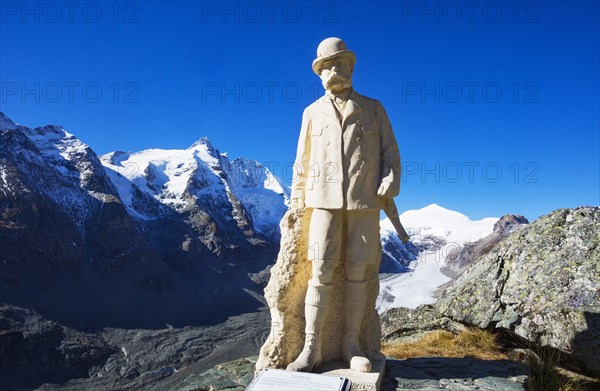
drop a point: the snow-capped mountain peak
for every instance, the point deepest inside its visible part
(202, 141)
(200, 174)
(163, 174)
(206, 151)
(439, 221)
(55, 162)
(434, 231)
(51, 138)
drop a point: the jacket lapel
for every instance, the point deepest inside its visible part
(328, 109)
(352, 107)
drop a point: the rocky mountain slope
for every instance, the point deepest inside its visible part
(541, 283)
(131, 239)
(36, 350)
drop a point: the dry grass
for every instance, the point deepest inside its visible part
(544, 371)
(474, 343)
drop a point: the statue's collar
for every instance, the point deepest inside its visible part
(352, 105)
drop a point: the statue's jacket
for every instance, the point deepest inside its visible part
(341, 163)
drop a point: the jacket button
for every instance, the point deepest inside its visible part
(358, 139)
(359, 155)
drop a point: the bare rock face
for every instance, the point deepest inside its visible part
(541, 283)
(459, 259)
(403, 324)
(509, 223)
(285, 295)
(35, 350)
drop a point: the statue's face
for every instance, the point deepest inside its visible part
(336, 74)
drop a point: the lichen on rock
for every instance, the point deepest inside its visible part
(542, 283)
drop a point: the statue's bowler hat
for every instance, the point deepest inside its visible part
(330, 48)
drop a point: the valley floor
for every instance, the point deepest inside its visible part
(163, 359)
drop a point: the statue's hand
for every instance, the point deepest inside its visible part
(297, 203)
(385, 189)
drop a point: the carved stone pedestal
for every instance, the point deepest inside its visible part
(361, 381)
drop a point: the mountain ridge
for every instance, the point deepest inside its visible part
(65, 214)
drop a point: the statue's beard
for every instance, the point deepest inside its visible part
(337, 82)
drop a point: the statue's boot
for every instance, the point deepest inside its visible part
(316, 307)
(355, 301)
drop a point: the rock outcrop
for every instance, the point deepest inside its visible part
(541, 283)
(459, 259)
(34, 350)
(405, 324)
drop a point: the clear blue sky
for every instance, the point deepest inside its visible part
(495, 104)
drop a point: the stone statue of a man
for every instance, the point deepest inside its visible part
(347, 166)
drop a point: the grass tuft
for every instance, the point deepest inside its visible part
(473, 342)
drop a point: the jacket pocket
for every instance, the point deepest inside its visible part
(367, 129)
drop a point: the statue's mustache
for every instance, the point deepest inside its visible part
(336, 81)
(336, 76)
